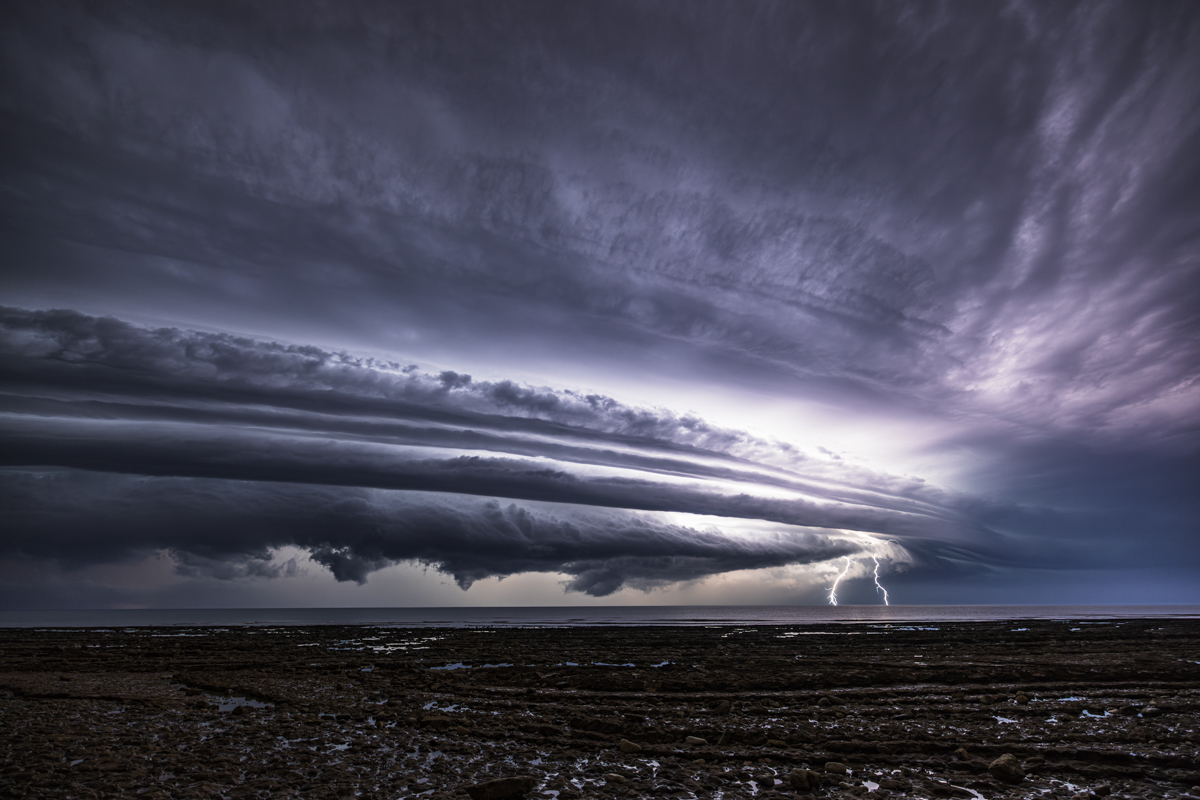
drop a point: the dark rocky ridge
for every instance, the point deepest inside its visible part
(356, 711)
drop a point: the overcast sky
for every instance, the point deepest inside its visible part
(490, 303)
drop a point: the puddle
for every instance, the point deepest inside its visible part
(461, 665)
(448, 709)
(230, 703)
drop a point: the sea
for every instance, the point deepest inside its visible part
(568, 616)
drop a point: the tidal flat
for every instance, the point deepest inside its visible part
(1022, 709)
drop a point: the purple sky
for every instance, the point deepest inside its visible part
(599, 302)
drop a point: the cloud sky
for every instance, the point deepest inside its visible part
(631, 295)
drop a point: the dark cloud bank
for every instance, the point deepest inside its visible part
(255, 446)
(981, 217)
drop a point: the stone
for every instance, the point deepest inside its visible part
(695, 740)
(723, 707)
(804, 780)
(895, 784)
(1007, 769)
(502, 788)
(835, 768)
(615, 777)
(630, 747)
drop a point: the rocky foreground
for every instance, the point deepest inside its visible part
(991, 710)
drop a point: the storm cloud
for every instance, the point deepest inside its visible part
(102, 395)
(901, 272)
(230, 529)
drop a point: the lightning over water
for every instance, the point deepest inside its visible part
(878, 585)
(833, 589)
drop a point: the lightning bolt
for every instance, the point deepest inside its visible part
(836, 581)
(878, 585)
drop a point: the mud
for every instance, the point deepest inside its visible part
(867, 711)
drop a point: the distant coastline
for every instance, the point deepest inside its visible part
(573, 616)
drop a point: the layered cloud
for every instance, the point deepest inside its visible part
(232, 529)
(98, 394)
(992, 220)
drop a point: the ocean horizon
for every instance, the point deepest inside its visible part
(569, 616)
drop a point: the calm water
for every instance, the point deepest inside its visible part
(578, 615)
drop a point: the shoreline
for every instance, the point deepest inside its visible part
(571, 616)
(343, 711)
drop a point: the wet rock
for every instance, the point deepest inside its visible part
(630, 747)
(723, 707)
(836, 768)
(895, 784)
(1006, 768)
(502, 788)
(695, 741)
(805, 780)
(615, 777)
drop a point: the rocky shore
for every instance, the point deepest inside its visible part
(992, 710)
